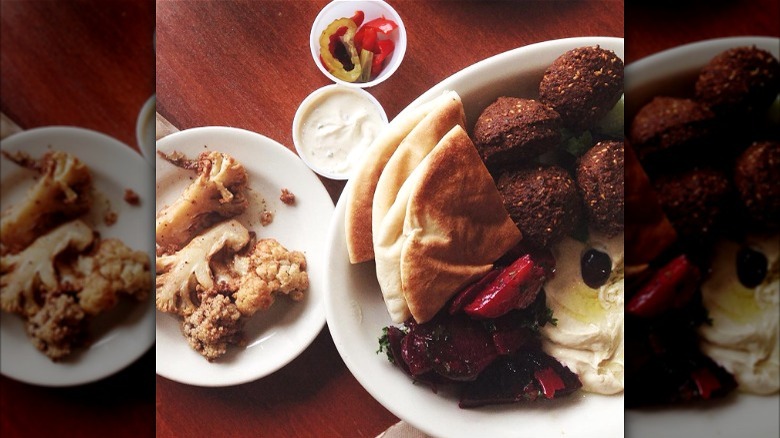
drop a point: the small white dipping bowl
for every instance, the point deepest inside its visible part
(320, 103)
(372, 9)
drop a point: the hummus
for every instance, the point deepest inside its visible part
(588, 336)
(743, 337)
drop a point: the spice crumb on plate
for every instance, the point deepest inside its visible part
(287, 197)
(132, 198)
(266, 217)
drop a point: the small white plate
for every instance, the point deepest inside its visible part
(125, 333)
(673, 73)
(356, 312)
(280, 334)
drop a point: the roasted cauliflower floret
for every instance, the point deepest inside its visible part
(31, 273)
(62, 193)
(267, 270)
(112, 270)
(188, 271)
(57, 327)
(214, 325)
(217, 193)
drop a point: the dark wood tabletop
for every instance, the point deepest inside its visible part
(247, 64)
(86, 63)
(657, 25)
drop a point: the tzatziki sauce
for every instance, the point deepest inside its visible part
(334, 127)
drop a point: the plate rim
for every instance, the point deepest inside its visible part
(684, 51)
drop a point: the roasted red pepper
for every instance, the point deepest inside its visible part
(706, 382)
(469, 293)
(383, 49)
(382, 24)
(549, 380)
(515, 288)
(671, 287)
(358, 18)
(365, 39)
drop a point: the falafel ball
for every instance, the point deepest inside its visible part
(583, 84)
(671, 129)
(696, 201)
(755, 177)
(600, 178)
(542, 201)
(513, 129)
(739, 80)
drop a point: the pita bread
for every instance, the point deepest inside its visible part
(360, 197)
(455, 225)
(390, 201)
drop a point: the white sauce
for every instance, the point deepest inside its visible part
(335, 128)
(745, 333)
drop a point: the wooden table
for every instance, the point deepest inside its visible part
(88, 64)
(247, 64)
(653, 26)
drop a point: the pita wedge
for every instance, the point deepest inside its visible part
(389, 205)
(454, 227)
(360, 197)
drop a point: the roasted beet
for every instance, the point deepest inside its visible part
(493, 360)
(515, 330)
(390, 343)
(503, 382)
(459, 348)
(675, 373)
(522, 376)
(414, 352)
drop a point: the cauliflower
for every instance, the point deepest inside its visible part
(63, 193)
(214, 325)
(188, 270)
(218, 192)
(31, 272)
(267, 270)
(112, 269)
(58, 326)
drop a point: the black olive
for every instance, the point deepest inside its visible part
(596, 267)
(751, 267)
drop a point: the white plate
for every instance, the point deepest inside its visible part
(278, 335)
(356, 312)
(125, 333)
(673, 73)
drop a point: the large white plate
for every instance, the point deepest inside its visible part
(125, 333)
(356, 312)
(277, 336)
(673, 73)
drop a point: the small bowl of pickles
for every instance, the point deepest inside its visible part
(358, 43)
